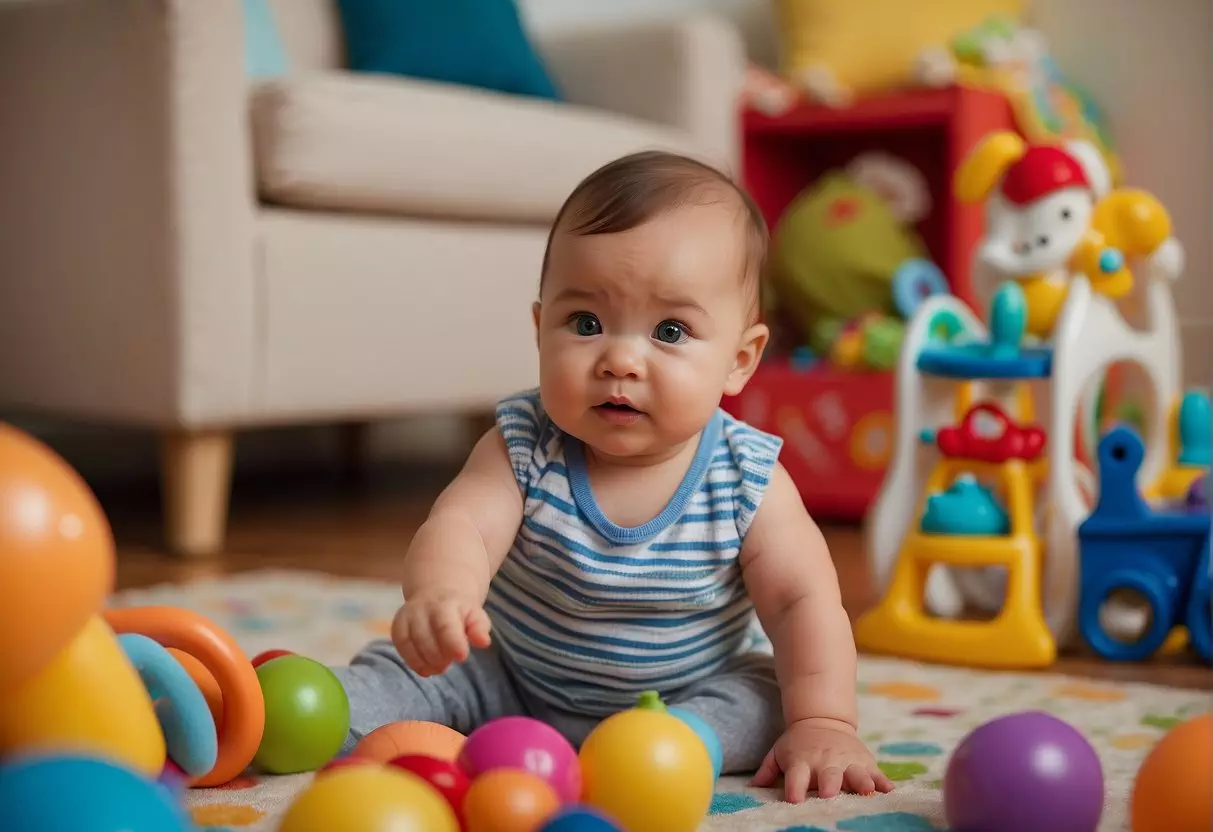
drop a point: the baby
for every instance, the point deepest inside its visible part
(617, 531)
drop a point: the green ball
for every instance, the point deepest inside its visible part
(307, 715)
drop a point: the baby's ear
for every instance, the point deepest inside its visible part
(753, 342)
(535, 308)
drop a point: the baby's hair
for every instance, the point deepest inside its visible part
(630, 191)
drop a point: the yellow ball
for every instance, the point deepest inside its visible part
(369, 798)
(648, 770)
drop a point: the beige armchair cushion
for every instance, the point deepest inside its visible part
(344, 142)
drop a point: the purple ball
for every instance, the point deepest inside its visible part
(1197, 498)
(528, 744)
(1022, 772)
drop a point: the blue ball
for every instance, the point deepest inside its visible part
(84, 794)
(707, 734)
(579, 819)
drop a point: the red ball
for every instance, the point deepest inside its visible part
(262, 658)
(445, 776)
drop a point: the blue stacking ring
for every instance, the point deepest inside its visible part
(914, 281)
(185, 718)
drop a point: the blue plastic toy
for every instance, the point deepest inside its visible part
(1195, 429)
(914, 281)
(1161, 555)
(189, 729)
(1003, 356)
(84, 794)
(966, 508)
(579, 819)
(706, 733)
(802, 359)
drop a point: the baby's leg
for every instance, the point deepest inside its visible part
(382, 689)
(743, 705)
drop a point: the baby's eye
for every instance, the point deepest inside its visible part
(585, 324)
(670, 332)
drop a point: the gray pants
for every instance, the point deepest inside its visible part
(741, 702)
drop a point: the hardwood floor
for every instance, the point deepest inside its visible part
(360, 527)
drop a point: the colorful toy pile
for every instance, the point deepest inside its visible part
(1000, 514)
(645, 769)
(106, 715)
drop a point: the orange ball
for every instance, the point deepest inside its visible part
(1174, 787)
(508, 800)
(396, 739)
(56, 555)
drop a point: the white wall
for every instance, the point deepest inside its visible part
(1150, 65)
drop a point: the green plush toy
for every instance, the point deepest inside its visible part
(836, 248)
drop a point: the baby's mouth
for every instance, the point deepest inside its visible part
(618, 411)
(617, 407)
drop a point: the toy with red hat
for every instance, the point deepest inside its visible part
(1051, 214)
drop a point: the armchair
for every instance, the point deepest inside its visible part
(190, 251)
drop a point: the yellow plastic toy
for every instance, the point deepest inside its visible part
(369, 798)
(963, 528)
(648, 770)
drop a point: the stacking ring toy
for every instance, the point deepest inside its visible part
(185, 719)
(914, 281)
(243, 706)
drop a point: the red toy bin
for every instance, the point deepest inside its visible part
(837, 429)
(836, 424)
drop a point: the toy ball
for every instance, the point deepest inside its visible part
(707, 734)
(508, 800)
(84, 794)
(1197, 497)
(444, 776)
(172, 777)
(648, 770)
(1023, 771)
(397, 739)
(344, 762)
(307, 715)
(265, 655)
(369, 798)
(53, 534)
(579, 819)
(1174, 787)
(528, 744)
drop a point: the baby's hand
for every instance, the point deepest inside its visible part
(821, 753)
(434, 629)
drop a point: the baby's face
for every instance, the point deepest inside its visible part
(642, 332)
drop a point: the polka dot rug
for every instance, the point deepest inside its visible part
(912, 715)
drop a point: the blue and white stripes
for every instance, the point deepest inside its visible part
(589, 614)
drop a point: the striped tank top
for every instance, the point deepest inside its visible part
(589, 614)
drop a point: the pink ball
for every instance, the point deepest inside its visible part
(528, 744)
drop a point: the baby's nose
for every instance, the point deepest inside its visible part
(621, 360)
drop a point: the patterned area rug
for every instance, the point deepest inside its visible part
(912, 714)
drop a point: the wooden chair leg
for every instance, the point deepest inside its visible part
(196, 475)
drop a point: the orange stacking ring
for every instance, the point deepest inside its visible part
(243, 705)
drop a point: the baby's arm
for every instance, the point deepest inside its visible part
(454, 556)
(791, 579)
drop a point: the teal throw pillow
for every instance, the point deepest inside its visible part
(478, 43)
(264, 54)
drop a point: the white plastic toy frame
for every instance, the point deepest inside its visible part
(1090, 335)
